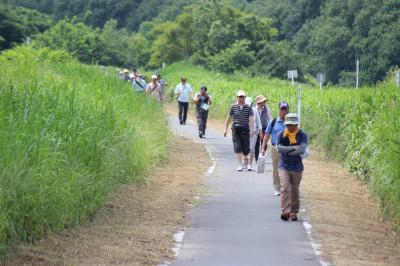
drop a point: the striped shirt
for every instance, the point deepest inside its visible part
(240, 114)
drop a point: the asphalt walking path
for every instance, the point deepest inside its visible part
(237, 221)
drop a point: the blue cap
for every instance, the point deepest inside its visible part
(283, 105)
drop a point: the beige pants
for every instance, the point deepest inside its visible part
(275, 156)
(290, 193)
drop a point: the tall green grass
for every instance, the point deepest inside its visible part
(356, 127)
(69, 134)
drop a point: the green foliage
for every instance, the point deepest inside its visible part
(18, 23)
(69, 134)
(356, 127)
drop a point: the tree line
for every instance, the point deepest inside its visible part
(260, 37)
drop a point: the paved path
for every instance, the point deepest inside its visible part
(237, 221)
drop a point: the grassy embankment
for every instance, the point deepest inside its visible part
(69, 134)
(355, 127)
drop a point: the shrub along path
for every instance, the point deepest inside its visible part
(135, 225)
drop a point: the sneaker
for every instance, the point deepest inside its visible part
(249, 168)
(277, 193)
(200, 135)
(240, 168)
(293, 217)
(285, 216)
(180, 122)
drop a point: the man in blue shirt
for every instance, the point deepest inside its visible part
(274, 127)
(291, 144)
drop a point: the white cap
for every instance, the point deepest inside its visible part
(241, 93)
(248, 101)
(153, 76)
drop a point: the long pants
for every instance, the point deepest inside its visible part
(275, 156)
(290, 193)
(202, 117)
(255, 145)
(183, 110)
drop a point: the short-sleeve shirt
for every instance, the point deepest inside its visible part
(273, 132)
(240, 114)
(155, 90)
(185, 91)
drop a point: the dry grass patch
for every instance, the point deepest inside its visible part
(136, 224)
(345, 217)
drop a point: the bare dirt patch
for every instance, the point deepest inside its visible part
(136, 224)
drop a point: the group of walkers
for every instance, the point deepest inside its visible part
(252, 127)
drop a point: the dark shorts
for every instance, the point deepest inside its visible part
(241, 141)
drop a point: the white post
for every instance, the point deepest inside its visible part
(28, 41)
(320, 85)
(299, 103)
(398, 78)
(292, 79)
(357, 73)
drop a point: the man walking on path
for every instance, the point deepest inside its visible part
(154, 89)
(265, 117)
(274, 127)
(257, 131)
(291, 144)
(202, 101)
(138, 83)
(183, 91)
(242, 127)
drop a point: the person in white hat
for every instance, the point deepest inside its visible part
(154, 89)
(291, 144)
(242, 118)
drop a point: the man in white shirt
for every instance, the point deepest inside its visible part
(183, 92)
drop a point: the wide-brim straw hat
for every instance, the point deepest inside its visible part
(261, 99)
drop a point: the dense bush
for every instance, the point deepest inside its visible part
(69, 134)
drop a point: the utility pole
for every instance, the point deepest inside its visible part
(357, 73)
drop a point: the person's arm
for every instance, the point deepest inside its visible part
(196, 98)
(300, 149)
(227, 122)
(209, 100)
(251, 118)
(177, 91)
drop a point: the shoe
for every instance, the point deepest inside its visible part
(240, 168)
(201, 136)
(277, 193)
(285, 216)
(249, 168)
(293, 216)
(180, 122)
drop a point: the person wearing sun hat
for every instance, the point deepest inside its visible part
(242, 119)
(265, 115)
(154, 89)
(291, 144)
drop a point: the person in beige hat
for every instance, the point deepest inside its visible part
(291, 144)
(265, 115)
(242, 119)
(154, 89)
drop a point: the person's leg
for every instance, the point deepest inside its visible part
(286, 190)
(295, 194)
(237, 148)
(253, 140)
(180, 108)
(185, 111)
(245, 141)
(257, 147)
(275, 156)
(199, 122)
(205, 119)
